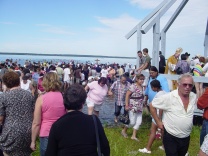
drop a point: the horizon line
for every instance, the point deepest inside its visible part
(74, 55)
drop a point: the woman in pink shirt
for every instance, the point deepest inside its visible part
(49, 107)
(97, 91)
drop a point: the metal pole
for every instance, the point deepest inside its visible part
(156, 43)
(139, 43)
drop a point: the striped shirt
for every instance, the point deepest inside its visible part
(198, 70)
(120, 91)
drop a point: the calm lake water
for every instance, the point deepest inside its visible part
(22, 58)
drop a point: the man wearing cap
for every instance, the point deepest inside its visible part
(170, 68)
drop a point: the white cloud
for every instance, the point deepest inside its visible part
(187, 31)
(123, 22)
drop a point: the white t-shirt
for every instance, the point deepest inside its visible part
(177, 121)
(104, 73)
(160, 93)
(25, 86)
(82, 77)
(66, 74)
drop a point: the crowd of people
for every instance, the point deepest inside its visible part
(45, 101)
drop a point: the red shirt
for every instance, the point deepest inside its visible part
(203, 104)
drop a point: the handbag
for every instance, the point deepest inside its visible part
(97, 136)
(124, 118)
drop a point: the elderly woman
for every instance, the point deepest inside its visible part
(16, 113)
(119, 88)
(97, 91)
(49, 107)
(134, 104)
(170, 68)
(74, 133)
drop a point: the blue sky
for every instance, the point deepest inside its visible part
(94, 27)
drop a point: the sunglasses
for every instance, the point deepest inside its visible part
(189, 85)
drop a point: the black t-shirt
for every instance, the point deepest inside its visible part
(74, 134)
(98, 69)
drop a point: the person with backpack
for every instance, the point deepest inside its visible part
(182, 66)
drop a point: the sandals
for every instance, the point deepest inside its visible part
(124, 134)
(161, 147)
(144, 150)
(136, 139)
(116, 120)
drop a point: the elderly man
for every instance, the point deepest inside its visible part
(178, 111)
(119, 88)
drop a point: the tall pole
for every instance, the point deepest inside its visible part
(206, 42)
(156, 43)
(139, 43)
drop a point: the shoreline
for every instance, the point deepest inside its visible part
(67, 55)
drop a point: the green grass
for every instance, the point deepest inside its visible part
(121, 146)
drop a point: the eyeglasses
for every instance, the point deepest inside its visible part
(186, 84)
(141, 79)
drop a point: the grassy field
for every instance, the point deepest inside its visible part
(121, 146)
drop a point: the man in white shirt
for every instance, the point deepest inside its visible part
(66, 76)
(104, 72)
(178, 110)
(25, 83)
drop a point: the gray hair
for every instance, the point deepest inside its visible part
(186, 75)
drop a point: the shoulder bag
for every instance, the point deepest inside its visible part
(97, 136)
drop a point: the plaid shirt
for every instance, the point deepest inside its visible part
(120, 92)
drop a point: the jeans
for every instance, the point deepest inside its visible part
(204, 131)
(118, 110)
(43, 145)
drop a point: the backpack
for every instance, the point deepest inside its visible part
(179, 71)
